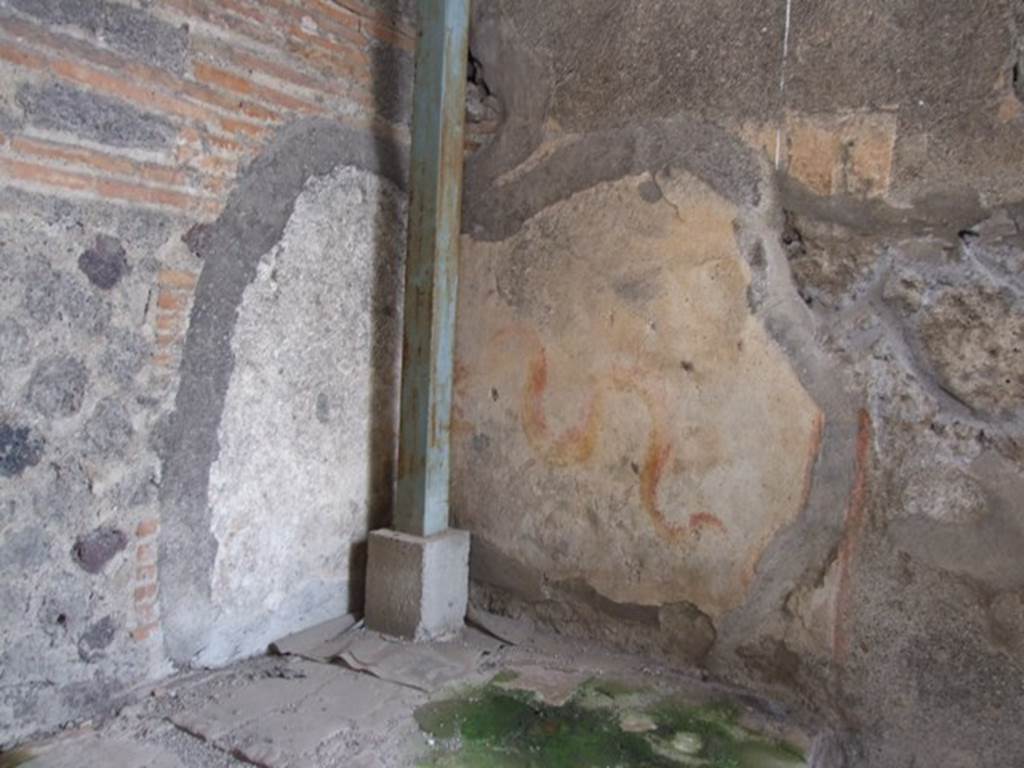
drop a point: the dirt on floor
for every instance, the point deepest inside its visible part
(343, 696)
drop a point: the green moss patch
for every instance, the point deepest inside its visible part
(14, 759)
(491, 727)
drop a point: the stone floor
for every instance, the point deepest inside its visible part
(340, 695)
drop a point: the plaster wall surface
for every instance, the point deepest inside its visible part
(850, 174)
(609, 349)
(292, 489)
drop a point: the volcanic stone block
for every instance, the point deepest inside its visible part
(60, 107)
(94, 550)
(105, 263)
(97, 638)
(57, 386)
(417, 588)
(19, 449)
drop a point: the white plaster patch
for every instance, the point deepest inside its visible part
(289, 494)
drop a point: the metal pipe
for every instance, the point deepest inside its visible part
(431, 270)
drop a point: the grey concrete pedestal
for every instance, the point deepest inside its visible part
(417, 588)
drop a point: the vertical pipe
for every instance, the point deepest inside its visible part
(431, 272)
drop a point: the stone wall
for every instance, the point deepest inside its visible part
(739, 352)
(201, 221)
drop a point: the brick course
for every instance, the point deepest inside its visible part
(253, 65)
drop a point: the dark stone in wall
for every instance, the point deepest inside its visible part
(125, 29)
(95, 549)
(40, 301)
(60, 107)
(57, 386)
(19, 450)
(109, 429)
(105, 263)
(9, 122)
(96, 639)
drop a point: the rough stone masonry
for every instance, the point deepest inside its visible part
(197, 353)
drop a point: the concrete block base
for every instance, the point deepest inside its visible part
(417, 588)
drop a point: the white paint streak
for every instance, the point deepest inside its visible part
(785, 38)
(782, 83)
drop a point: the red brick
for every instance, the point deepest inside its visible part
(217, 185)
(331, 21)
(177, 278)
(252, 62)
(147, 614)
(243, 9)
(223, 143)
(171, 300)
(140, 634)
(145, 593)
(236, 127)
(21, 57)
(230, 103)
(113, 189)
(147, 528)
(168, 322)
(145, 554)
(223, 79)
(145, 573)
(99, 161)
(128, 90)
(372, 14)
(346, 55)
(349, 70)
(338, 13)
